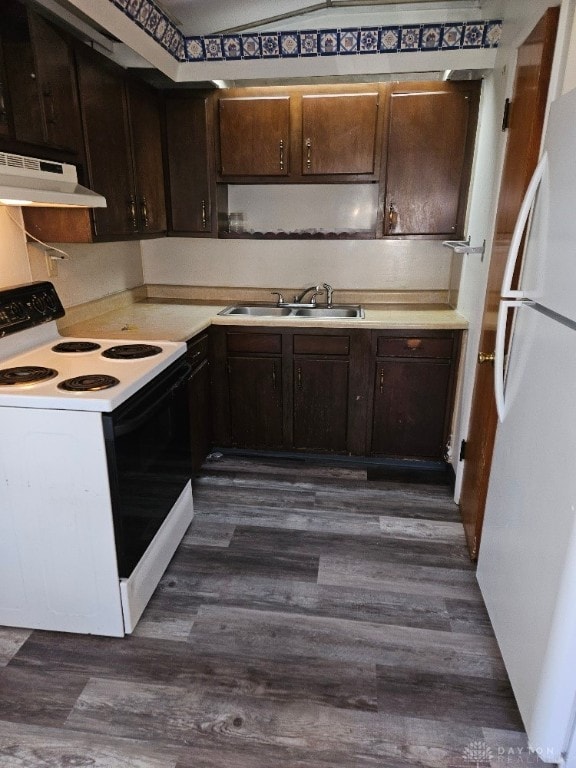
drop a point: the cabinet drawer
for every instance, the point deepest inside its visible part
(197, 350)
(414, 346)
(254, 342)
(321, 345)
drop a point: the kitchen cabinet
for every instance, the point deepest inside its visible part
(288, 389)
(430, 143)
(339, 135)
(39, 103)
(191, 177)
(123, 160)
(254, 136)
(199, 397)
(413, 375)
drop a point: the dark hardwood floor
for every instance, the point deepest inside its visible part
(311, 618)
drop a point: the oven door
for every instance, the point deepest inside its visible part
(149, 461)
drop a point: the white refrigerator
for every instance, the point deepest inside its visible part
(527, 559)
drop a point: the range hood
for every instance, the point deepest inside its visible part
(32, 181)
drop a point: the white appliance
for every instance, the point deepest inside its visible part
(33, 181)
(95, 467)
(527, 560)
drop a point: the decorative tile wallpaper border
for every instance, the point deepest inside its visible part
(413, 38)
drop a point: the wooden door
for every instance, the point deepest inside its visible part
(254, 136)
(320, 404)
(525, 133)
(189, 158)
(255, 401)
(146, 134)
(429, 158)
(107, 142)
(339, 134)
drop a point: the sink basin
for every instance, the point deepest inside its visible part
(334, 312)
(256, 311)
(262, 310)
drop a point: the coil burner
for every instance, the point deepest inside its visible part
(131, 351)
(24, 375)
(76, 346)
(91, 382)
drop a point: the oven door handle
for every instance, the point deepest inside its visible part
(125, 426)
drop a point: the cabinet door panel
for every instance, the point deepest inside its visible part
(410, 401)
(320, 404)
(427, 154)
(147, 153)
(104, 112)
(254, 136)
(188, 165)
(339, 134)
(255, 396)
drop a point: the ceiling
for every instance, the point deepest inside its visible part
(208, 17)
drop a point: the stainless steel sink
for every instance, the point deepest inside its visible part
(263, 310)
(334, 312)
(256, 311)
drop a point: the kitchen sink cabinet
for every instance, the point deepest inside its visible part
(38, 101)
(190, 164)
(413, 377)
(254, 136)
(288, 389)
(199, 397)
(340, 133)
(430, 144)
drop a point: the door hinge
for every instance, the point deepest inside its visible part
(506, 115)
(462, 450)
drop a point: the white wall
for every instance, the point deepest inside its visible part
(14, 266)
(352, 264)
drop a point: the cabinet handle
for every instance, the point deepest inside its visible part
(392, 217)
(132, 212)
(274, 376)
(308, 153)
(281, 154)
(49, 101)
(299, 376)
(381, 380)
(204, 217)
(3, 110)
(144, 212)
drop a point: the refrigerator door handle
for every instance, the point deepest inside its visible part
(523, 214)
(500, 355)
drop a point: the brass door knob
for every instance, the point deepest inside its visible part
(486, 357)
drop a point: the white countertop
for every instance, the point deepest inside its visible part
(176, 320)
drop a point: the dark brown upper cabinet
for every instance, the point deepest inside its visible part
(190, 167)
(254, 135)
(38, 100)
(340, 135)
(430, 144)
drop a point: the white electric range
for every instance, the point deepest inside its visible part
(95, 468)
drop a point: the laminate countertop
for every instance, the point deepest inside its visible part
(179, 320)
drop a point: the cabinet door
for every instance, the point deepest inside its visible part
(320, 404)
(146, 134)
(255, 397)
(411, 398)
(107, 142)
(339, 134)
(429, 155)
(5, 127)
(254, 136)
(189, 165)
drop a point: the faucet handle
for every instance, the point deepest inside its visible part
(317, 292)
(280, 297)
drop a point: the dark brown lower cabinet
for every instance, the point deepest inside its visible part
(380, 393)
(413, 393)
(199, 397)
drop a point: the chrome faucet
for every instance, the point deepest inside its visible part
(317, 291)
(329, 291)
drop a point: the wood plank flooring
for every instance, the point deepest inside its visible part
(311, 618)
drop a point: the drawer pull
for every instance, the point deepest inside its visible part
(413, 344)
(308, 153)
